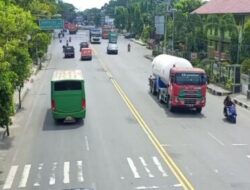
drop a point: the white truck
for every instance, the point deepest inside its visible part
(177, 83)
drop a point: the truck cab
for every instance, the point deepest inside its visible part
(95, 36)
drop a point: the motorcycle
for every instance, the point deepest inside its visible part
(230, 113)
(69, 39)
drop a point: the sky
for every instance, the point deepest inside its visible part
(86, 4)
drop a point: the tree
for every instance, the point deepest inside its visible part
(20, 63)
(6, 93)
(246, 41)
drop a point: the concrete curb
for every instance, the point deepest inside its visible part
(149, 57)
(218, 93)
(242, 104)
(138, 42)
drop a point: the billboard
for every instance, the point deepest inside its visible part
(159, 24)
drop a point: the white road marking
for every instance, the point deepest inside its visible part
(248, 156)
(66, 172)
(216, 139)
(146, 167)
(79, 172)
(122, 177)
(159, 166)
(143, 187)
(87, 143)
(133, 168)
(10, 178)
(40, 167)
(165, 145)
(52, 179)
(216, 171)
(177, 185)
(239, 144)
(25, 176)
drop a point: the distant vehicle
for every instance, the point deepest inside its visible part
(129, 35)
(95, 36)
(105, 31)
(86, 53)
(84, 45)
(177, 83)
(72, 28)
(68, 95)
(113, 37)
(112, 48)
(69, 51)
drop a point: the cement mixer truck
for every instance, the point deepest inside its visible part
(177, 83)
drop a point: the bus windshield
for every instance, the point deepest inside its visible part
(190, 79)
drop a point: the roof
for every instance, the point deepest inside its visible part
(67, 75)
(224, 6)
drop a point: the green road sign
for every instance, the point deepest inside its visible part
(51, 24)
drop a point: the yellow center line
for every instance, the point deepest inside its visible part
(165, 156)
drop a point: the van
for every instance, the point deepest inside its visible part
(68, 95)
(86, 53)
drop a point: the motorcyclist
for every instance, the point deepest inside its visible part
(70, 39)
(129, 47)
(67, 43)
(227, 103)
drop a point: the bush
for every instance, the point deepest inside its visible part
(245, 66)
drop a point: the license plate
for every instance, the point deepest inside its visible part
(69, 118)
(190, 105)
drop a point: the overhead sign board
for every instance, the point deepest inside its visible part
(51, 24)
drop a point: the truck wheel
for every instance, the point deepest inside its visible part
(159, 97)
(198, 110)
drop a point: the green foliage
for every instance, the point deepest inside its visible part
(246, 41)
(245, 66)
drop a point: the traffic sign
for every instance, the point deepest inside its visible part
(51, 24)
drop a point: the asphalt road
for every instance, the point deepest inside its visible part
(128, 140)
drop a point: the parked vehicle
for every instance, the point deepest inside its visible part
(112, 48)
(129, 35)
(95, 36)
(68, 95)
(69, 51)
(86, 53)
(230, 113)
(177, 83)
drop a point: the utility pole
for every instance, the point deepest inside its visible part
(166, 25)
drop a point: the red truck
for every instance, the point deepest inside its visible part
(105, 31)
(177, 83)
(72, 28)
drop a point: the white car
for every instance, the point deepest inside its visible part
(112, 48)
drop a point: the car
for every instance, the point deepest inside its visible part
(69, 51)
(129, 35)
(84, 45)
(112, 48)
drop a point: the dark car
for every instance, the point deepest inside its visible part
(129, 35)
(69, 51)
(84, 45)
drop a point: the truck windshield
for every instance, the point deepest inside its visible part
(95, 35)
(190, 78)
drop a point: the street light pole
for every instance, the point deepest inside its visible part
(166, 25)
(173, 12)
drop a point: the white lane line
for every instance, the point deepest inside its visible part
(80, 171)
(87, 143)
(40, 167)
(216, 139)
(25, 176)
(146, 167)
(133, 168)
(66, 172)
(239, 144)
(52, 178)
(216, 171)
(177, 185)
(248, 156)
(144, 187)
(10, 178)
(159, 166)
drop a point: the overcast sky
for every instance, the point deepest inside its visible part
(86, 4)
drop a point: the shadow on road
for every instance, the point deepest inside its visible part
(50, 125)
(178, 113)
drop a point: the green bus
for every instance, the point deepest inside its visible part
(68, 95)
